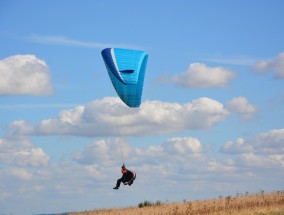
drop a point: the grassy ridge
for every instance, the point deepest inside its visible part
(257, 204)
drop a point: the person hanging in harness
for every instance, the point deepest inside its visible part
(127, 178)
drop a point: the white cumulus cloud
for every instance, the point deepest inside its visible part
(24, 74)
(102, 151)
(21, 173)
(264, 151)
(19, 151)
(275, 65)
(255, 160)
(242, 106)
(201, 76)
(183, 145)
(177, 152)
(109, 117)
(270, 142)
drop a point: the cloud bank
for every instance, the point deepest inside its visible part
(109, 117)
(24, 74)
(153, 117)
(177, 164)
(171, 165)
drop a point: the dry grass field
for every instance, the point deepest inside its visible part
(257, 204)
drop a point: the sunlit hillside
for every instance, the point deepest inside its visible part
(256, 204)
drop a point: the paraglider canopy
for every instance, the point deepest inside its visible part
(126, 69)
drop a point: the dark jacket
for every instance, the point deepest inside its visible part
(127, 175)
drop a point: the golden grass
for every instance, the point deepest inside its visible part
(257, 204)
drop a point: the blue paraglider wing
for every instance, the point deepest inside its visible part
(126, 69)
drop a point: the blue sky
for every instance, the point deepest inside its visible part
(210, 122)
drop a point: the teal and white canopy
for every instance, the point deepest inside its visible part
(126, 69)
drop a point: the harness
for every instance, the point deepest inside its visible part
(134, 176)
(132, 179)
